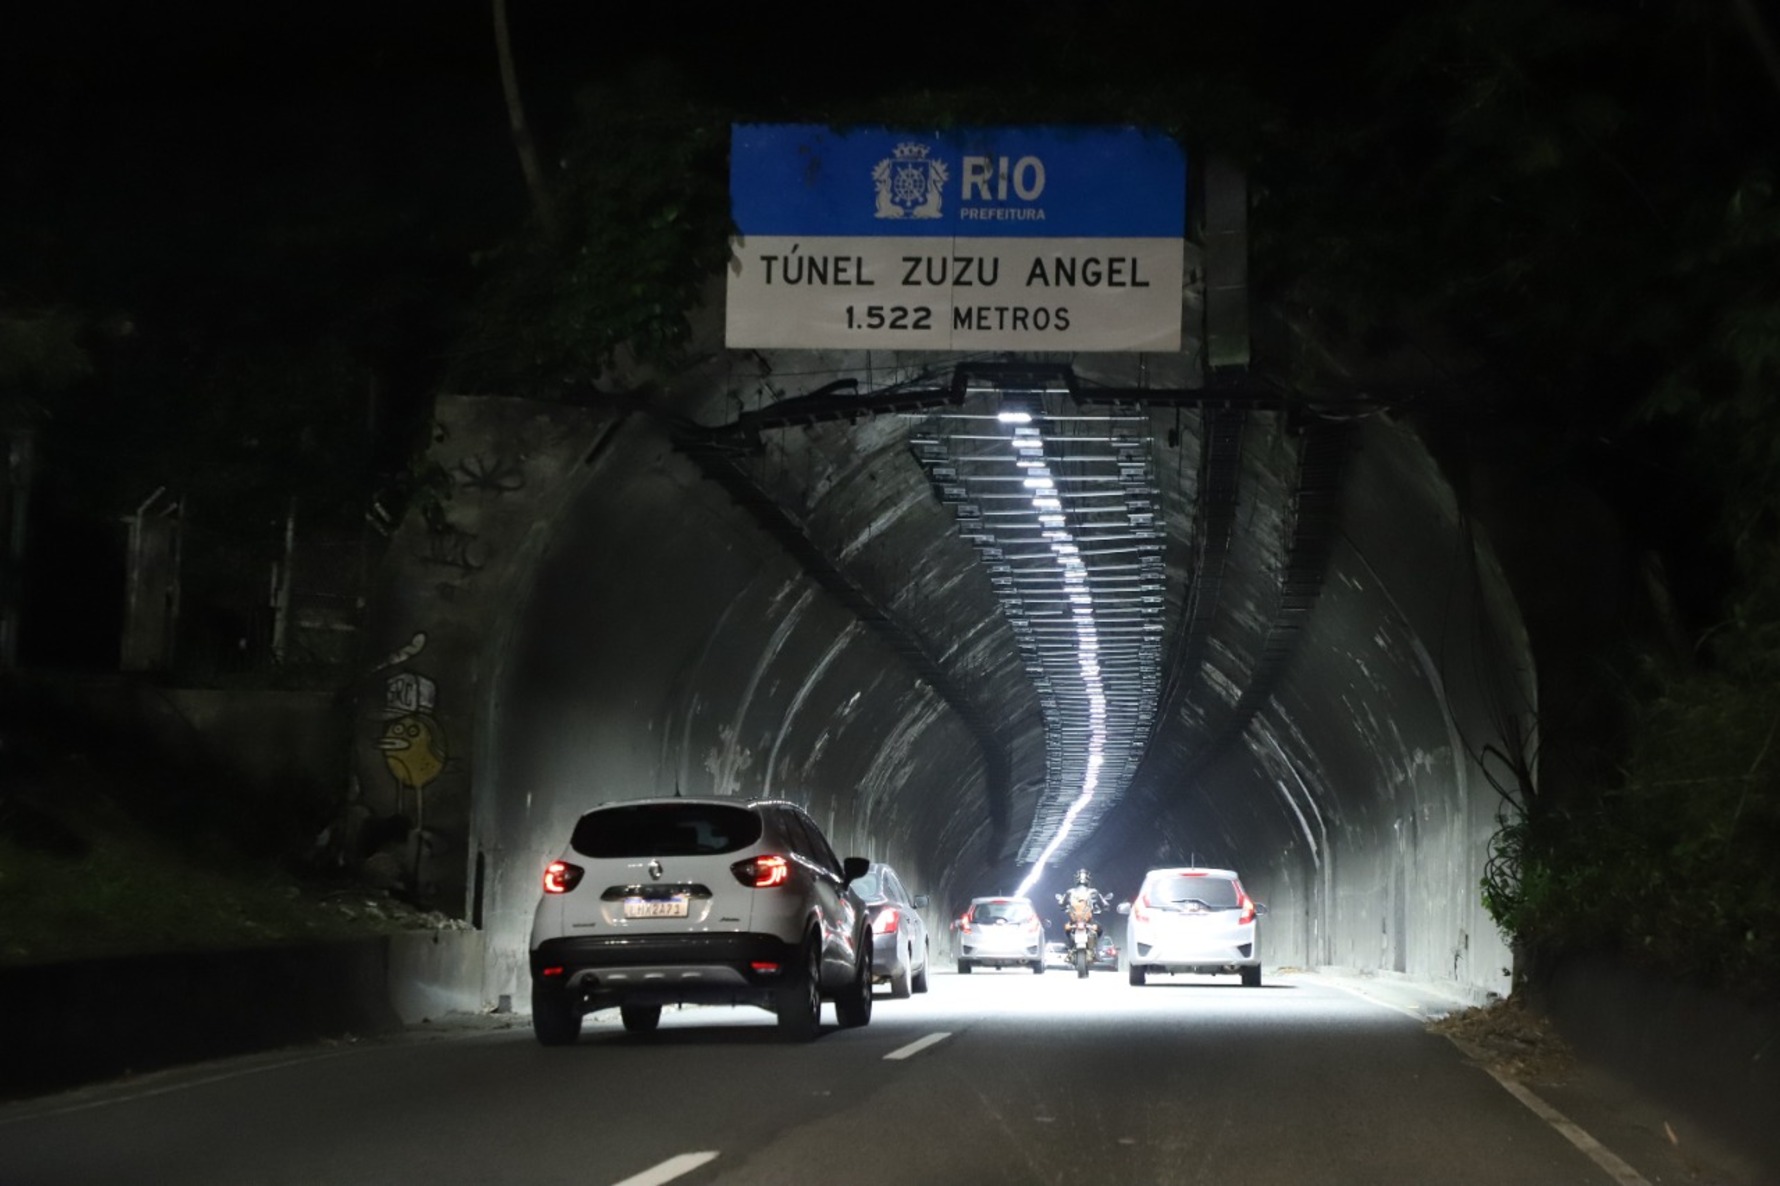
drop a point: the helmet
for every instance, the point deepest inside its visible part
(1081, 877)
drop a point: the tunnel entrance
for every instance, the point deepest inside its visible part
(814, 623)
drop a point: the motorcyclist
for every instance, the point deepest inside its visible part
(1081, 902)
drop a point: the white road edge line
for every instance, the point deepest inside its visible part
(914, 1048)
(129, 1095)
(1597, 1152)
(1621, 1173)
(668, 1170)
(1350, 990)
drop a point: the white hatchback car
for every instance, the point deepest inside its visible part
(711, 901)
(1192, 920)
(1001, 933)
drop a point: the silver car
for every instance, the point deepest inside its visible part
(899, 935)
(1192, 920)
(1001, 933)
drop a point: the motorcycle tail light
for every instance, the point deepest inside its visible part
(886, 922)
(762, 872)
(560, 877)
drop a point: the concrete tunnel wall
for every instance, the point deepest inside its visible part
(1355, 803)
(597, 620)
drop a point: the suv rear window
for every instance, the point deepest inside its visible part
(1217, 893)
(665, 830)
(995, 911)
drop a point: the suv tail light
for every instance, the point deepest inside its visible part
(1032, 923)
(964, 922)
(560, 877)
(1248, 907)
(762, 872)
(887, 921)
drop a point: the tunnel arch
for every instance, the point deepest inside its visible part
(611, 621)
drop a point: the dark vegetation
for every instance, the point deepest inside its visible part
(1548, 231)
(103, 854)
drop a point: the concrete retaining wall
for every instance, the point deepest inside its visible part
(63, 1025)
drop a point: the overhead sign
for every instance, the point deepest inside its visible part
(983, 239)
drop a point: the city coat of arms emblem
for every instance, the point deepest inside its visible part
(909, 183)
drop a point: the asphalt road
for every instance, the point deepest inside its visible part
(999, 1077)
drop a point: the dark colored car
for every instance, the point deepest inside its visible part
(1106, 953)
(900, 948)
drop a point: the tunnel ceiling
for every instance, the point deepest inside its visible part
(1103, 570)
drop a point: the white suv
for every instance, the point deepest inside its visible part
(1192, 920)
(714, 901)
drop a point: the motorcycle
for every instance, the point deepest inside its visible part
(1082, 939)
(1080, 906)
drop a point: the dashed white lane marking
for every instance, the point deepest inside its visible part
(668, 1170)
(1618, 1170)
(914, 1048)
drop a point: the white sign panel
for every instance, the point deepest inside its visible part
(1009, 239)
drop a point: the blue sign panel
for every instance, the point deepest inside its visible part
(1050, 182)
(1049, 239)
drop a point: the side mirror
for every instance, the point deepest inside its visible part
(1260, 910)
(1124, 908)
(920, 901)
(853, 868)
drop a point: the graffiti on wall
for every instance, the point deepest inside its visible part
(413, 742)
(407, 739)
(491, 475)
(451, 546)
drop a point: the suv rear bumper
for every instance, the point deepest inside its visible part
(665, 969)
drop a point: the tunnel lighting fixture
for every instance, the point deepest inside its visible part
(1084, 602)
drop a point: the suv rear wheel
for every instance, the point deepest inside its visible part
(799, 1000)
(1134, 973)
(556, 1020)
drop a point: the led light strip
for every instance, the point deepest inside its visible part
(1062, 512)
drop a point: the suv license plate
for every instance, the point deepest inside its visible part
(655, 907)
